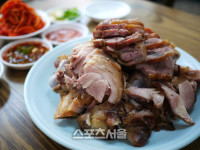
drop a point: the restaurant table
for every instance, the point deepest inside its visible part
(17, 130)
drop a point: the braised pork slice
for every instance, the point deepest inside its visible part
(162, 70)
(146, 95)
(148, 33)
(188, 73)
(117, 28)
(187, 91)
(157, 49)
(124, 41)
(94, 72)
(159, 54)
(176, 103)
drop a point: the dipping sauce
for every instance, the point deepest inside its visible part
(23, 53)
(63, 35)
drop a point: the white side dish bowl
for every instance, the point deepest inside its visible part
(75, 26)
(12, 44)
(101, 10)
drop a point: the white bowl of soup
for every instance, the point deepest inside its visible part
(61, 33)
(22, 54)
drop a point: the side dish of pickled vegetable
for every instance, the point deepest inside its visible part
(23, 53)
(65, 14)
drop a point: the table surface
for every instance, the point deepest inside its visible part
(17, 131)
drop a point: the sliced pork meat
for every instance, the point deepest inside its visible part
(111, 33)
(162, 70)
(148, 33)
(146, 95)
(188, 73)
(176, 103)
(132, 54)
(124, 42)
(95, 73)
(177, 80)
(157, 49)
(120, 39)
(186, 85)
(188, 94)
(117, 42)
(117, 28)
(153, 43)
(159, 54)
(127, 53)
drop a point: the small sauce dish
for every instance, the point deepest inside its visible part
(22, 54)
(61, 33)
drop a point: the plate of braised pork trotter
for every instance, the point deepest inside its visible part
(125, 84)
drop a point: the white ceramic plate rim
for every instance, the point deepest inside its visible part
(76, 26)
(75, 145)
(11, 44)
(44, 17)
(1, 69)
(94, 17)
(49, 11)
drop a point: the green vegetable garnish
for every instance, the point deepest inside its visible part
(28, 49)
(25, 49)
(69, 14)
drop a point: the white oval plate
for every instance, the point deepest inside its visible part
(101, 10)
(46, 20)
(41, 103)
